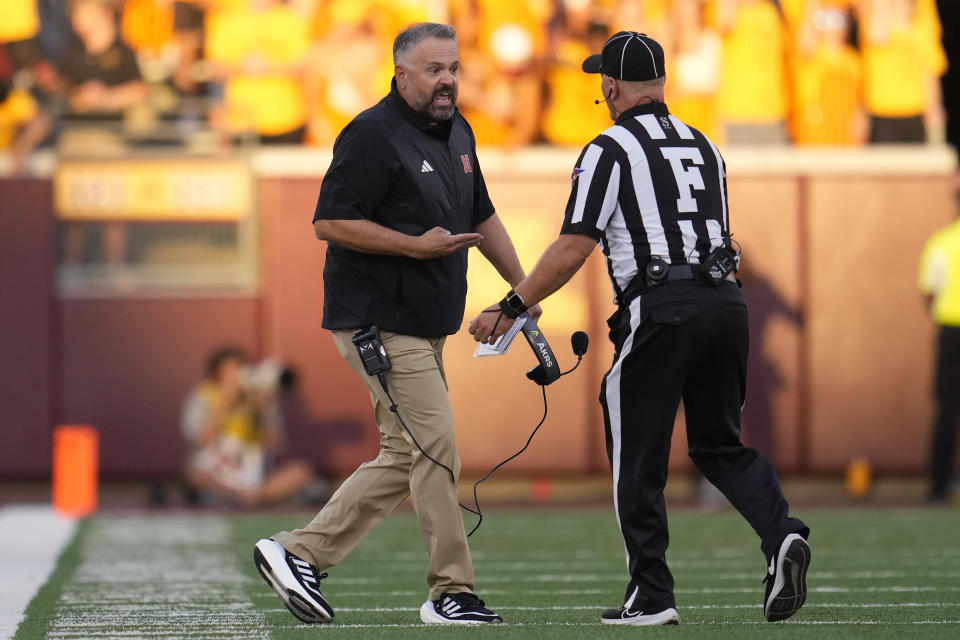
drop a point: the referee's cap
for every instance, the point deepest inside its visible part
(630, 56)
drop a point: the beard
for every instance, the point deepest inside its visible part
(434, 113)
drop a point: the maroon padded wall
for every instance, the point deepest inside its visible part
(127, 364)
(26, 327)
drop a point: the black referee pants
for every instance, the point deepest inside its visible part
(685, 341)
(945, 423)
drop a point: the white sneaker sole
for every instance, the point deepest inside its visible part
(789, 590)
(270, 559)
(667, 616)
(429, 615)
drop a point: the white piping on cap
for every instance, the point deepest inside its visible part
(653, 59)
(623, 52)
(626, 35)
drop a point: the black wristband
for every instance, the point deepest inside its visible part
(512, 305)
(507, 310)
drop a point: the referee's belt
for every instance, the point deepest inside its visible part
(674, 272)
(677, 272)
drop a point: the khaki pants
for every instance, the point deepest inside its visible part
(418, 385)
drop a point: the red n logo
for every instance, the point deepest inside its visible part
(466, 164)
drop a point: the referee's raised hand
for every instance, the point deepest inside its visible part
(439, 243)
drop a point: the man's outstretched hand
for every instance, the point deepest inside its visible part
(440, 243)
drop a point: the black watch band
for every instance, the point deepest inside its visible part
(512, 305)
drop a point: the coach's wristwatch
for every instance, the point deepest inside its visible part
(512, 305)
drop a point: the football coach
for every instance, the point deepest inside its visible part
(402, 202)
(652, 192)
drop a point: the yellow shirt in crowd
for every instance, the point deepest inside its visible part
(19, 20)
(269, 103)
(17, 110)
(899, 67)
(940, 274)
(754, 87)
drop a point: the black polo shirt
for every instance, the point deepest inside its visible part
(393, 168)
(113, 67)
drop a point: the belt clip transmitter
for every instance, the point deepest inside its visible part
(372, 353)
(719, 264)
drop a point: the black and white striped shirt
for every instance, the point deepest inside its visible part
(649, 186)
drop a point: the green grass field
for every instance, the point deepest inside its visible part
(875, 574)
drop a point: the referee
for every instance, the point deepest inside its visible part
(652, 192)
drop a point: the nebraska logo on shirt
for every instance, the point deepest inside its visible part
(466, 164)
(576, 172)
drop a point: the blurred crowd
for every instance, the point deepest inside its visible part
(812, 72)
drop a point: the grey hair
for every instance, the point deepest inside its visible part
(416, 33)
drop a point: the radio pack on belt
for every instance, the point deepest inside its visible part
(719, 264)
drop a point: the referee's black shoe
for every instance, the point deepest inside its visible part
(457, 608)
(641, 617)
(295, 581)
(787, 579)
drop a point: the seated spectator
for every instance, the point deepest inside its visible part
(102, 82)
(902, 61)
(827, 81)
(259, 49)
(233, 427)
(99, 68)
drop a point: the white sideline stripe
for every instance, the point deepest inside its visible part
(33, 537)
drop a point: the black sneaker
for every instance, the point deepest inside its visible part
(457, 608)
(640, 618)
(787, 579)
(295, 581)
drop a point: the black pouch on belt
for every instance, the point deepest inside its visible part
(719, 264)
(617, 333)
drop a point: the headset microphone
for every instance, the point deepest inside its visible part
(579, 341)
(604, 100)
